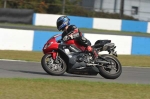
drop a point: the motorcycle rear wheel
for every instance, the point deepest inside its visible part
(105, 70)
(51, 67)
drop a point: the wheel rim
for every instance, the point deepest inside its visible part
(113, 68)
(54, 66)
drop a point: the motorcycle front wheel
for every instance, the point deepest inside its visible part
(53, 67)
(110, 71)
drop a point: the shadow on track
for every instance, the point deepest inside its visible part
(65, 75)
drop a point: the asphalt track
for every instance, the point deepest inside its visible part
(22, 69)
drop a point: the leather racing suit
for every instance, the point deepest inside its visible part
(73, 32)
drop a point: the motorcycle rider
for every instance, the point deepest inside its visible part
(72, 32)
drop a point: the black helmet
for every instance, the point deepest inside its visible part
(62, 22)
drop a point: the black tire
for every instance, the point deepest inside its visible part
(104, 73)
(48, 69)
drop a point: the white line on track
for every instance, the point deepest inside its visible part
(17, 60)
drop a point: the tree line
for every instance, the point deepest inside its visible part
(71, 7)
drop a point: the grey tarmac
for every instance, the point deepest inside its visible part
(24, 69)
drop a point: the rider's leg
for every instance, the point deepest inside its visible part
(93, 51)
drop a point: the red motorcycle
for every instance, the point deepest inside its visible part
(71, 57)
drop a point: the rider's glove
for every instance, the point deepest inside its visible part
(65, 38)
(71, 36)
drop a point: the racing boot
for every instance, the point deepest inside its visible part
(93, 52)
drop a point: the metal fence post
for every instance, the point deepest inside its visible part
(121, 8)
(5, 3)
(63, 7)
(101, 4)
(115, 6)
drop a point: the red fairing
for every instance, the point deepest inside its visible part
(75, 43)
(51, 46)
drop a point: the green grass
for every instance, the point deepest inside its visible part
(126, 60)
(17, 88)
(21, 55)
(84, 30)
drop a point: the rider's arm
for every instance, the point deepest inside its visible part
(73, 32)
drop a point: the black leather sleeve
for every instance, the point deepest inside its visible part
(71, 28)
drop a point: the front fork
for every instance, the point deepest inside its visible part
(54, 54)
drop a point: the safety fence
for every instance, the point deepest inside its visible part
(24, 16)
(34, 40)
(94, 23)
(27, 16)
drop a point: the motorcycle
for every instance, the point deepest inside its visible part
(70, 57)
